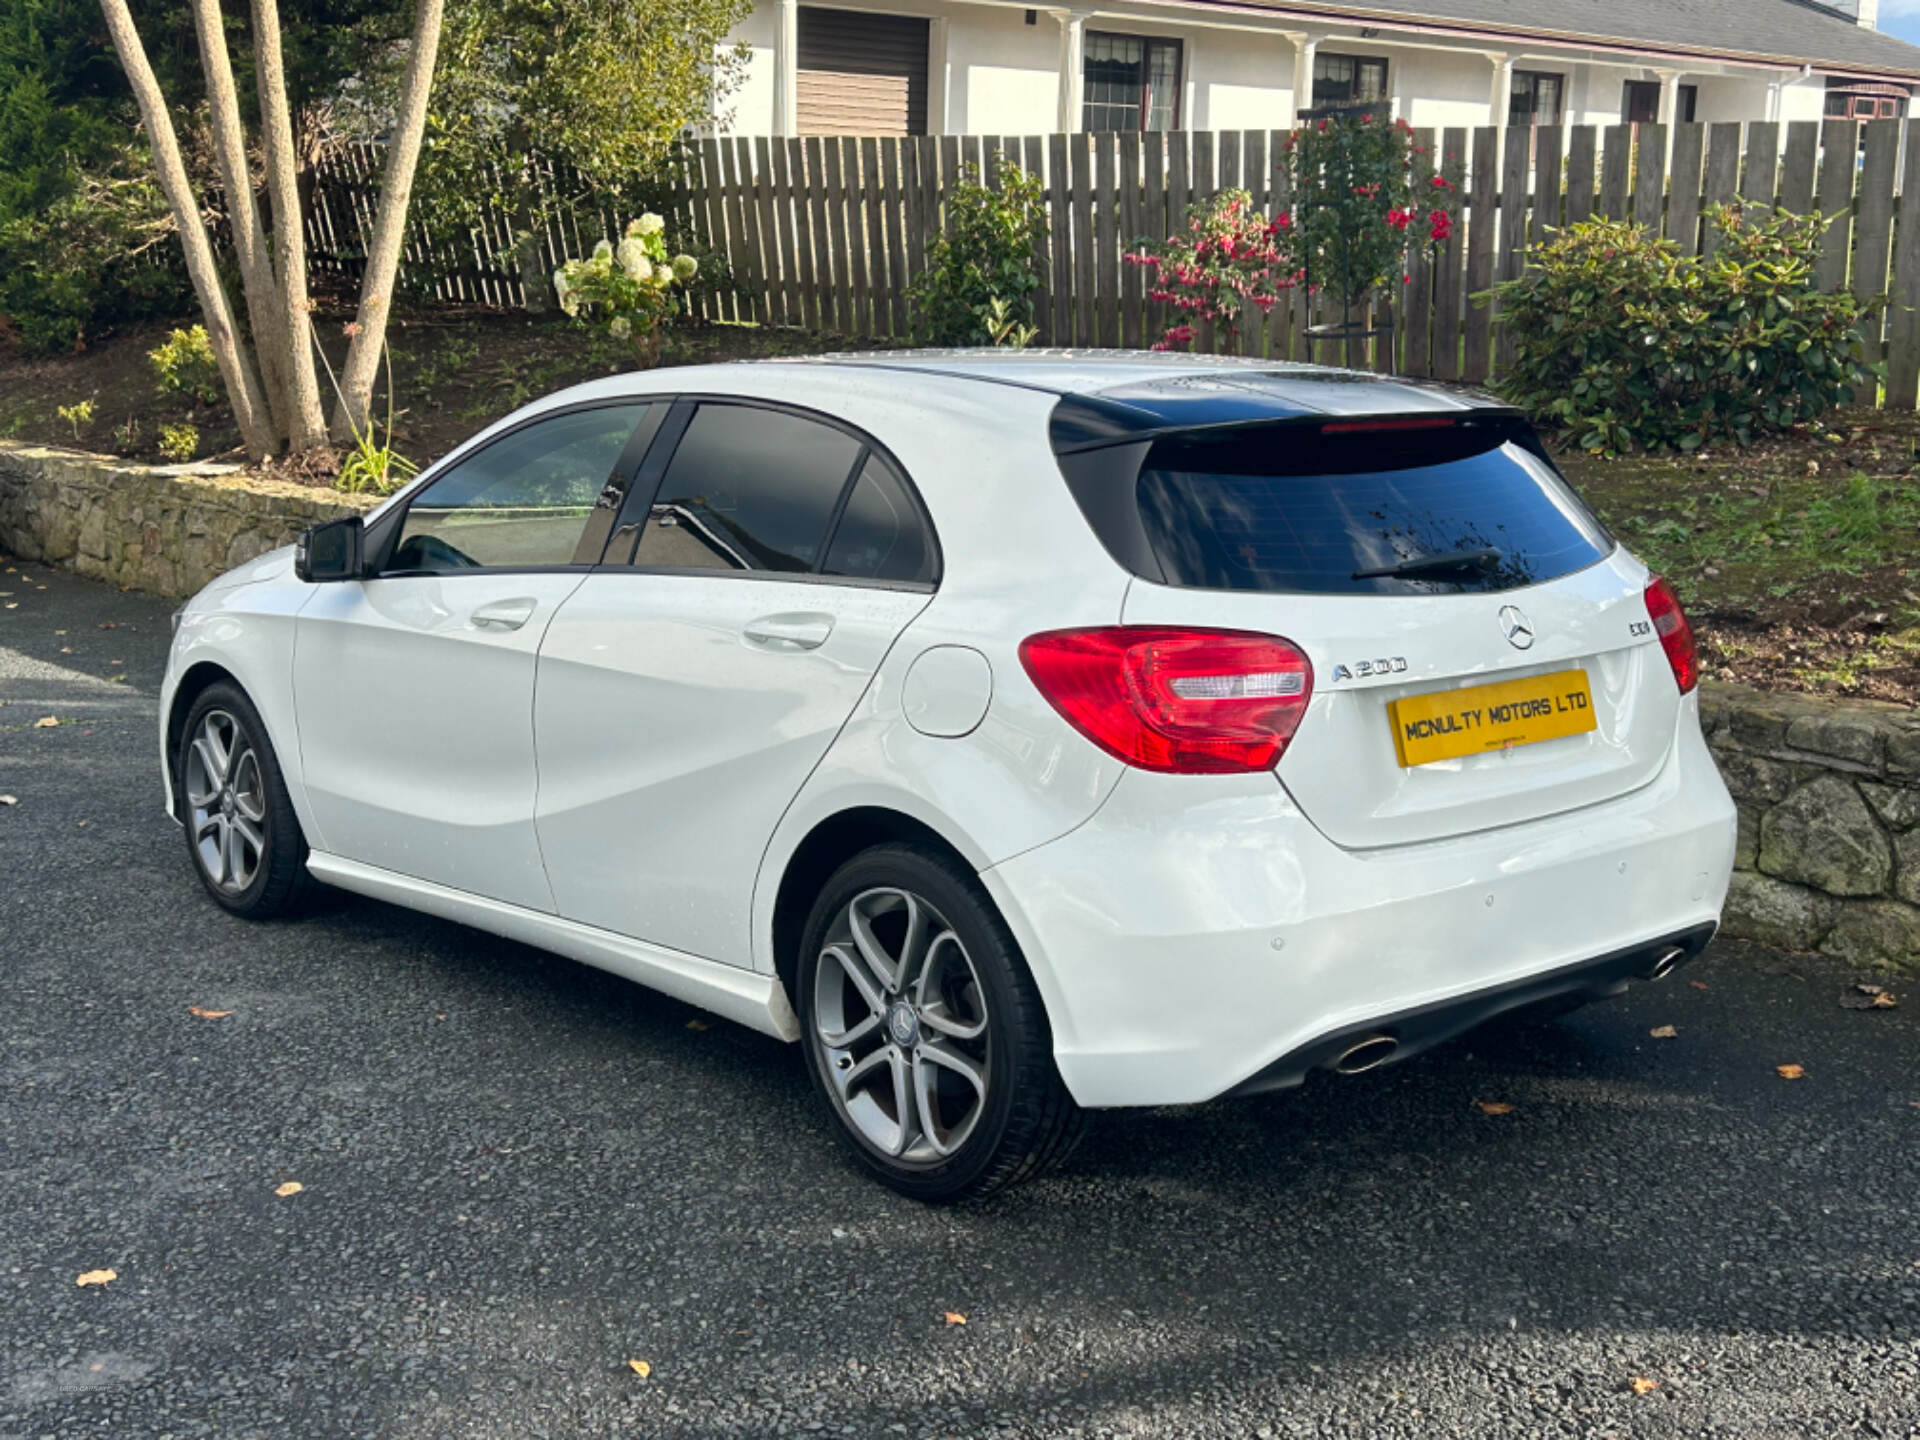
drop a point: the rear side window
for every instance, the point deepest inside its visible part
(748, 489)
(880, 535)
(1297, 509)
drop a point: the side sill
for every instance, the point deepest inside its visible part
(757, 1001)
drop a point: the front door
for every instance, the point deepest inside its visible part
(414, 688)
(683, 701)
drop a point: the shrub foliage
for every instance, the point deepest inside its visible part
(1624, 342)
(986, 254)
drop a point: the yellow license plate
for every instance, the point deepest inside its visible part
(1452, 723)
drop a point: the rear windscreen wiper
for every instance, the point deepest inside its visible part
(1483, 560)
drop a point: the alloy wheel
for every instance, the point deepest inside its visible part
(900, 1019)
(226, 801)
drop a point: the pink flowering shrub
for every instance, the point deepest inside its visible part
(1228, 257)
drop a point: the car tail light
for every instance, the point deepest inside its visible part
(1195, 702)
(1676, 635)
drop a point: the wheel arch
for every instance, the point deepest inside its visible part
(194, 682)
(830, 843)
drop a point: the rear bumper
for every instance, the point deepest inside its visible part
(1199, 936)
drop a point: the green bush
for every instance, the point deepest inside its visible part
(179, 442)
(183, 364)
(1623, 342)
(986, 254)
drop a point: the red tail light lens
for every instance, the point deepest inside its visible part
(1193, 702)
(1676, 635)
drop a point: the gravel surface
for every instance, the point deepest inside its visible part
(519, 1175)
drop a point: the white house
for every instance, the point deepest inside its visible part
(1001, 67)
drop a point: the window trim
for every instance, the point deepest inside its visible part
(1146, 69)
(1533, 114)
(633, 513)
(1386, 78)
(393, 520)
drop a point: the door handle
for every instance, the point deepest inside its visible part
(505, 614)
(806, 630)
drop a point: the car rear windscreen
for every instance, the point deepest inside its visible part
(1306, 510)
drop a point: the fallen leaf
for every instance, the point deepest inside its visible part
(640, 1368)
(1494, 1107)
(954, 1317)
(696, 1024)
(1790, 1072)
(1663, 1032)
(46, 722)
(208, 1014)
(292, 1187)
(1869, 997)
(1643, 1386)
(97, 1277)
(1698, 984)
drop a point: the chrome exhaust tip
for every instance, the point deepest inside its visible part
(1668, 962)
(1370, 1052)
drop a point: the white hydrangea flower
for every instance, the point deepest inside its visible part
(561, 284)
(620, 327)
(570, 302)
(684, 267)
(648, 224)
(632, 256)
(603, 252)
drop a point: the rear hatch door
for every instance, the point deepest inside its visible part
(1418, 565)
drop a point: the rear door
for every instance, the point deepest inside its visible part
(685, 696)
(1411, 560)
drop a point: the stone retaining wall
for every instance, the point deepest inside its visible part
(1828, 790)
(1829, 797)
(168, 529)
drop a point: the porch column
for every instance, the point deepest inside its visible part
(1500, 97)
(1306, 45)
(1073, 45)
(1669, 96)
(786, 68)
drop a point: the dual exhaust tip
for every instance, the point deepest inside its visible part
(1376, 1050)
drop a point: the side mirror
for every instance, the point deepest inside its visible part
(331, 552)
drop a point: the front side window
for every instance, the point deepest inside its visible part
(524, 500)
(748, 489)
(1348, 80)
(1536, 98)
(1131, 83)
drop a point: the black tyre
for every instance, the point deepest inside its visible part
(924, 1031)
(232, 801)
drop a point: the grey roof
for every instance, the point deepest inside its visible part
(1779, 30)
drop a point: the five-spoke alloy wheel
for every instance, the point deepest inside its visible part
(233, 804)
(925, 1031)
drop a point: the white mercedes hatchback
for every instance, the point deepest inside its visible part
(1022, 733)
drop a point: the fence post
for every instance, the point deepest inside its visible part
(1903, 319)
(1482, 232)
(1513, 229)
(1876, 235)
(1683, 203)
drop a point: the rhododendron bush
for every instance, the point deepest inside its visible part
(1357, 207)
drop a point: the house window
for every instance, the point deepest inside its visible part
(1640, 102)
(1131, 83)
(1864, 100)
(1536, 98)
(1348, 80)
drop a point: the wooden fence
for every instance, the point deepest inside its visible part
(828, 233)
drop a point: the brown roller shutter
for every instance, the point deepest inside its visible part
(861, 74)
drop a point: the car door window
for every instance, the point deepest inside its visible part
(880, 535)
(748, 489)
(526, 499)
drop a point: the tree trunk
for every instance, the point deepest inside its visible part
(236, 369)
(389, 225)
(264, 305)
(306, 422)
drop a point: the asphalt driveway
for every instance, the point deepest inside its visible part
(519, 1175)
